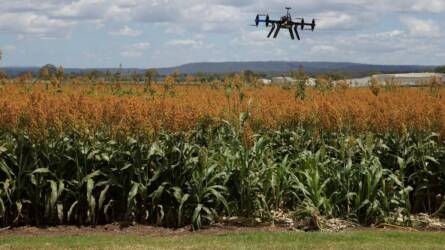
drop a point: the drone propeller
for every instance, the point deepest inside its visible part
(302, 24)
(259, 20)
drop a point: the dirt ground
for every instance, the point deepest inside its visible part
(137, 230)
(143, 230)
(236, 226)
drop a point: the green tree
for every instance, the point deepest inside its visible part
(25, 77)
(150, 76)
(108, 75)
(375, 86)
(118, 74)
(93, 75)
(2, 74)
(50, 69)
(338, 76)
(323, 83)
(189, 79)
(135, 77)
(301, 81)
(44, 73)
(176, 75)
(250, 76)
(435, 84)
(438, 69)
(60, 74)
(200, 76)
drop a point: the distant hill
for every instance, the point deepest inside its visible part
(354, 69)
(273, 67)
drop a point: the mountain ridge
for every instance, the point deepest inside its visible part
(267, 67)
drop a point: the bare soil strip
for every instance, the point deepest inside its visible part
(137, 230)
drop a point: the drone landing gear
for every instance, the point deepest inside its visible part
(277, 31)
(296, 33)
(276, 28)
(291, 34)
(271, 31)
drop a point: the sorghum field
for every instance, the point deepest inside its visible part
(174, 155)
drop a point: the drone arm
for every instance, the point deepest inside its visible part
(303, 24)
(268, 21)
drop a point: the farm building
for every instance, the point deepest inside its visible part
(282, 79)
(359, 82)
(409, 79)
(264, 81)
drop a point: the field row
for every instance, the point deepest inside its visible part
(130, 109)
(175, 155)
(193, 179)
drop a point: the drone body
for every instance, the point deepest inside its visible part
(285, 22)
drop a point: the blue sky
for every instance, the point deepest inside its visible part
(155, 33)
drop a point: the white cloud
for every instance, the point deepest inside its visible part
(9, 48)
(174, 29)
(433, 6)
(211, 15)
(333, 19)
(185, 43)
(17, 6)
(256, 38)
(323, 49)
(126, 31)
(141, 46)
(364, 29)
(420, 27)
(136, 50)
(34, 24)
(85, 9)
(131, 53)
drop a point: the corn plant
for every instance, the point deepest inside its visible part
(194, 177)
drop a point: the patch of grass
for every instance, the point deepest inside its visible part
(262, 240)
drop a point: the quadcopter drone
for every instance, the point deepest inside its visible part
(284, 23)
